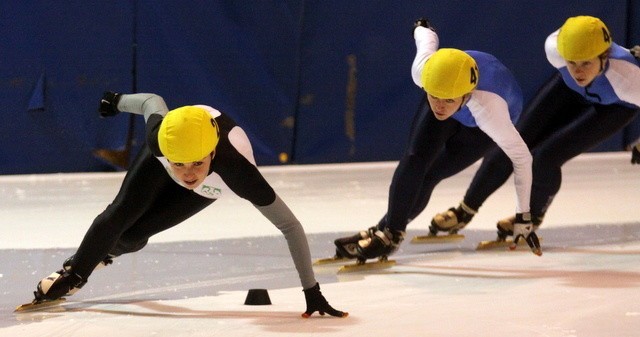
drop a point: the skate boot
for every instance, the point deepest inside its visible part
(58, 284)
(105, 262)
(505, 226)
(379, 243)
(66, 267)
(452, 220)
(346, 247)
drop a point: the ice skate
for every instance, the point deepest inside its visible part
(505, 232)
(337, 258)
(451, 221)
(345, 249)
(66, 265)
(379, 243)
(435, 238)
(36, 305)
(331, 260)
(504, 237)
(105, 262)
(382, 262)
(359, 265)
(52, 289)
(374, 244)
(506, 243)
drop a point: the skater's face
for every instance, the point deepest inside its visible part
(584, 72)
(192, 174)
(443, 108)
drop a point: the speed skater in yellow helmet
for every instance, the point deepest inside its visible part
(188, 134)
(449, 73)
(583, 38)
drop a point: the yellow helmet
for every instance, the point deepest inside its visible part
(188, 134)
(449, 73)
(583, 38)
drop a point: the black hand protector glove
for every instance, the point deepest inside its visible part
(317, 302)
(523, 228)
(422, 22)
(109, 104)
(635, 154)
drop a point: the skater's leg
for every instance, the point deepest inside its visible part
(583, 134)
(462, 150)
(466, 147)
(463, 147)
(593, 125)
(494, 171)
(127, 223)
(426, 143)
(141, 187)
(174, 206)
(427, 139)
(554, 106)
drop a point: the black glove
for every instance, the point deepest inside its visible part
(635, 51)
(109, 104)
(523, 228)
(422, 22)
(635, 154)
(317, 302)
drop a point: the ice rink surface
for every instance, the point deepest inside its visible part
(192, 280)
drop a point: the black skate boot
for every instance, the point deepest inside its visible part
(58, 284)
(105, 262)
(379, 243)
(66, 267)
(452, 220)
(346, 247)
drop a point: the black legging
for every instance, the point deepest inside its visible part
(148, 202)
(557, 125)
(436, 150)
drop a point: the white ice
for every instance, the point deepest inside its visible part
(586, 286)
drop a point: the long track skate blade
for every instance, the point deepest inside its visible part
(331, 260)
(437, 238)
(488, 245)
(366, 266)
(35, 306)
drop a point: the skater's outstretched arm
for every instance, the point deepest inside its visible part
(282, 217)
(113, 103)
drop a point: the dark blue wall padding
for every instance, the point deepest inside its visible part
(56, 59)
(319, 80)
(240, 57)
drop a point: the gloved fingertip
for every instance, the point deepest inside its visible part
(337, 313)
